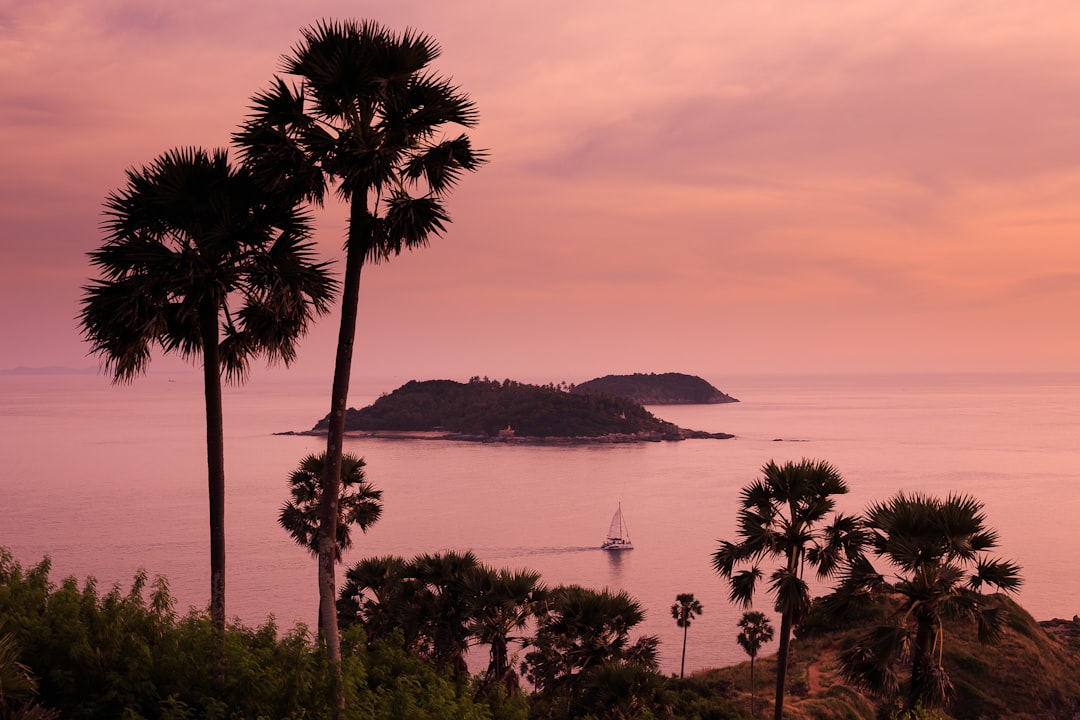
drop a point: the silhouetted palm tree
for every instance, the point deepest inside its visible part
(199, 261)
(504, 605)
(381, 594)
(683, 611)
(937, 549)
(449, 603)
(359, 503)
(781, 517)
(368, 115)
(579, 631)
(755, 631)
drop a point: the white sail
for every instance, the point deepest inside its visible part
(615, 531)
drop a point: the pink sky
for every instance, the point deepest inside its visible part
(713, 188)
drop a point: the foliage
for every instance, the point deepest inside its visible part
(655, 389)
(781, 518)
(582, 637)
(440, 604)
(359, 503)
(191, 239)
(938, 550)
(118, 654)
(18, 686)
(485, 407)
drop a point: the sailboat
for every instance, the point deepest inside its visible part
(617, 537)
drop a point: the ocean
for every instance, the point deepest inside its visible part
(108, 479)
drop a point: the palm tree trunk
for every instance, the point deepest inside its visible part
(215, 460)
(356, 249)
(919, 652)
(682, 666)
(781, 664)
(753, 686)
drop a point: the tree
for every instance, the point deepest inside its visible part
(755, 631)
(580, 632)
(359, 503)
(504, 605)
(938, 552)
(781, 518)
(18, 686)
(200, 261)
(683, 611)
(367, 115)
(380, 594)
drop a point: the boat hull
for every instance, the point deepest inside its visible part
(617, 544)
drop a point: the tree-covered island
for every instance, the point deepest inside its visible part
(657, 389)
(509, 411)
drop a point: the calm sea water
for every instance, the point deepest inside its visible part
(106, 480)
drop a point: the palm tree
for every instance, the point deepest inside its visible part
(579, 632)
(755, 631)
(368, 115)
(683, 611)
(359, 503)
(200, 261)
(938, 552)
(504, 605)
(781, 518)
(448, 603)
(380, 594)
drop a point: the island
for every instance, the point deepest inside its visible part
(656, 389)
(508, 411)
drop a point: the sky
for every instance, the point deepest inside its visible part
(714, 188)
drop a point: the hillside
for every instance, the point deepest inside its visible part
(509, 410)
(1029, 673)
(656, 389)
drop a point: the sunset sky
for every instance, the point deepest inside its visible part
(715, 187)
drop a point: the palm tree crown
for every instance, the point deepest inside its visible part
(359, 503)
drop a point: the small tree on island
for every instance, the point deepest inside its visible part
(684, 610)
(755, 631)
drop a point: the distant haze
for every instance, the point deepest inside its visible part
(715, 188)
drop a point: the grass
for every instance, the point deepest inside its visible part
(1027, 675)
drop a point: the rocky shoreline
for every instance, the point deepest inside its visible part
(610, 439)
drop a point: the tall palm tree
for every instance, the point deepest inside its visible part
(937, 550)
(200, 261)
(754, 631)
(369, 115)
(359, 503)
(781, 518)
(683, 611)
